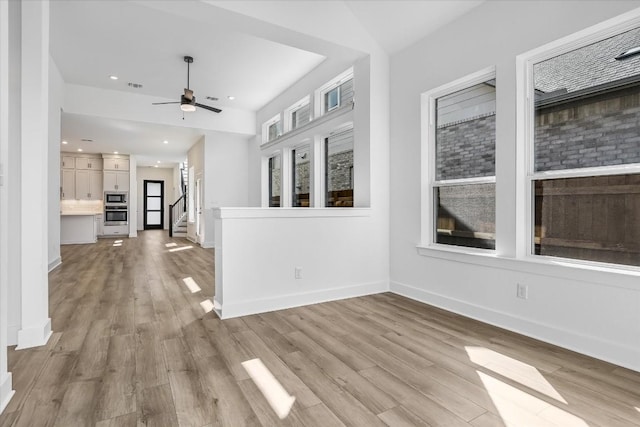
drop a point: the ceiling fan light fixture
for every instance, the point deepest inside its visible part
(187, 108)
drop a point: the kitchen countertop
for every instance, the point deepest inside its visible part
(79, 213)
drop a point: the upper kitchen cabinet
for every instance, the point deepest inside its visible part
(89, 163)
(116, 164)
(88, 185)
(67, 162)
(68, 184)
(116, 181)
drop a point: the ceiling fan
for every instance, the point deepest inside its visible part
(188, 101)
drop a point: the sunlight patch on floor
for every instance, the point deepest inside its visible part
(277, 397)
(637, 409)
(118, 241)
(518, 408)
(171, 245)
(180, 249)
(117, 244)
(207, 305)
(513, 369)
(191, 284)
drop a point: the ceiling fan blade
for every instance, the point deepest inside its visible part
(160, 103)
(188, 93)
(206, 107)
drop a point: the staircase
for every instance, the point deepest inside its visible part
(178, 210)
(179, 228)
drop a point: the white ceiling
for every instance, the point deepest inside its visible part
(252, 50)
(144, 140)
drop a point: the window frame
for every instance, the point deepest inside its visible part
(265, 129)
(288, 113)
(320, 107)
(428, 161)
(525, 128)
(323, 143)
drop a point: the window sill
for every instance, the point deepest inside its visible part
(241, 213)
(569, 269)
(312, 124)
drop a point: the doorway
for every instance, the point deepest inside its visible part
(153, 205)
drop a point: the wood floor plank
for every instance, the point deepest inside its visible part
(157, 408)
(77, 407)
(252, 342)
(372, 397)
(400, 417)
(346, 407)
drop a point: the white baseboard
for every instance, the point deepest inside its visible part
(245, 308)
(208, 245)
(616, 353)
(34, 336)
(53, 264)
(6, 390)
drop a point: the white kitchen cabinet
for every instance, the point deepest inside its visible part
(116, 164)
(116, 181)
(68, 184)
(88, 163)
(88, 185)
(99, 225)
(68, 162)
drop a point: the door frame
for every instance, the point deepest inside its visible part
(144, 204)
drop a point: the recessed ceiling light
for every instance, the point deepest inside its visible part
(155, 166)
(158, 161)
(231, 98)
(115, 152)
(64, 142)
(79, 149)
(113, 77)
(165, 141)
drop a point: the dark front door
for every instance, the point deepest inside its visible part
(153, 204)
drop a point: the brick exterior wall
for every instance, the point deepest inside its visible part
(340, 170)
(598, 131)
(466, 149)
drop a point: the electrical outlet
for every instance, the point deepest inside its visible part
(298, 272)
(522, 291)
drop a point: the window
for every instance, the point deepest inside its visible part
(461, 141)
(271, 129)
(298, 114)
(301, 176)
(585, 156)
(275, 173)
(332, 99)
(339, 169)
(335, 93)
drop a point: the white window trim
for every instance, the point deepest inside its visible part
(319, 108)
(428, 158)
(288, 113)
(526, 174)
(265, 128)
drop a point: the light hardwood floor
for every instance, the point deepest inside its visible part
(133, 346)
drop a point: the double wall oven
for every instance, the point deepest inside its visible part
(116, 208)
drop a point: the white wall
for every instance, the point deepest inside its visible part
(6, 389)
(154, 174)
(593, 313)
(195, 159)
(344, 252)
(225, 177)
(56, 99)
(257, 251)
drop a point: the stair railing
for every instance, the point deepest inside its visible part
(176, 210)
